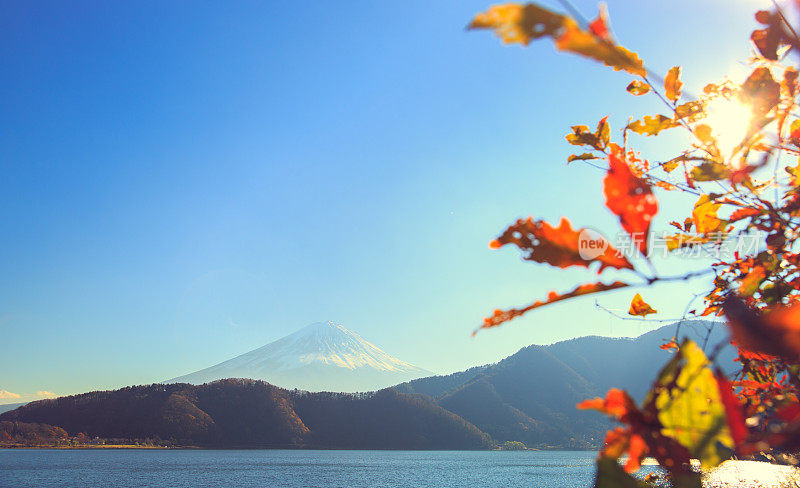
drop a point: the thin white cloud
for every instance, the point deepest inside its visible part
(45, 394)
(7, 395)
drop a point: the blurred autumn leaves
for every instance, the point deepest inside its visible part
(731, 169)
(515, 23)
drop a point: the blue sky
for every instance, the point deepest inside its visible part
(184, 181)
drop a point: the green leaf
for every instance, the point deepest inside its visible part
(611, 475)
(710, 171)
(689, 406)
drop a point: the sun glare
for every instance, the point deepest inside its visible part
(729, 121)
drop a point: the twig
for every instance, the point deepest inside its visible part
(622, 317)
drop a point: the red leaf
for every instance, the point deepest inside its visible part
(637, 450)
(617, 404)
(743, 213)
(599, 26)
(631, 199)
(557, 246)
(501, 316)
(776, 333)
(733, 409)
(672, 344)
(642, 436)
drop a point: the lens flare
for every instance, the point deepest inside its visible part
(729, 121)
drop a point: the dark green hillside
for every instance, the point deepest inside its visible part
(387, 419)
(248, 413)
(531, 395)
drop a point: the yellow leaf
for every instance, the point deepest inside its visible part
(640, 307)
(680, 241)
(651, 125)
(795, 174)
(581, 157)
(515, 23)
(582, 137)
(638, 88)
(689, 406)
(704, 215)
(689, 110)
(669, 166)
(703, 132)
(673, 84)
(577, 40)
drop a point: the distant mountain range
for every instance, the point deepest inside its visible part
(323, 356)
(531, 395)
(528, 397)
(11, 406)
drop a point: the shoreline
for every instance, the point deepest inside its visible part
(246, 448)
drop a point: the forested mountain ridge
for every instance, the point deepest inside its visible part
(531, 395)
(250, 413)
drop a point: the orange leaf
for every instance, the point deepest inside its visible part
(751, 282)
(673, 84)
(616, 404)
(631, 199)
(620, 440)
(640, 307)
(560, 246)
(637, 450)
(501, 316)
(744, 213)
(616, 441)
(638, 88)
(776, 333)
(641, 437)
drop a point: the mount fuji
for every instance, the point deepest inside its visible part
(323, 356)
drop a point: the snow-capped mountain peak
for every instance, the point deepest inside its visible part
(320, 356)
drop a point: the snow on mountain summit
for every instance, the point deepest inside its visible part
(330, 343)
(323, 356)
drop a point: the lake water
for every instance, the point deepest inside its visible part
(108, 468)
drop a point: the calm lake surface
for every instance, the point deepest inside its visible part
(274, 468)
